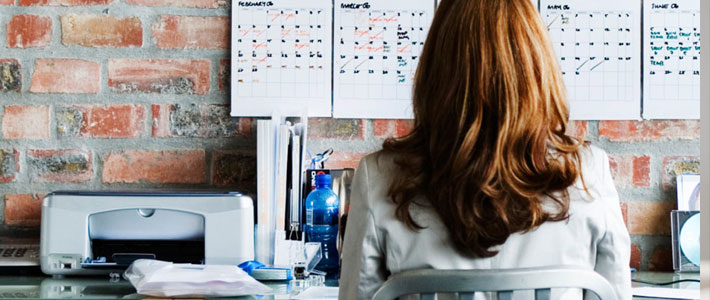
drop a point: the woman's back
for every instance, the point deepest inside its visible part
(488, 177)
(378, 244)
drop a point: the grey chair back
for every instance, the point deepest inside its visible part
(503, 282)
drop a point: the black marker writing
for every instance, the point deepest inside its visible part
(365, 5)
(665, 6)
(558, 7)
(255, 3)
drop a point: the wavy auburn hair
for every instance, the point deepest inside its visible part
(489, 141)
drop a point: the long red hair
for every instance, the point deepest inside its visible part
(489, 139)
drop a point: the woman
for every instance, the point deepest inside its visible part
(487, 179)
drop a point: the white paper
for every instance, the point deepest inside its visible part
(165, 279)
(317, 293)
(377, 49)
(598, 43)
(688, 192)
(287, 252)
(671, 78)
(281, 57)
(666, 293)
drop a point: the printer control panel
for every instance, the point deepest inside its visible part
(19, 255)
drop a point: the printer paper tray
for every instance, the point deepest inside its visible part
(102, 266)
(121, 254)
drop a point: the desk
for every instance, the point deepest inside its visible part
(34, 287)
(666, 277)
(42, 287)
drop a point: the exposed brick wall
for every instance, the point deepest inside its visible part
(134, 94)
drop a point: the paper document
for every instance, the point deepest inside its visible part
(666, 293)
(318, 293)
(377, 49)
(599, 48)
(281, 57)
(671, 59)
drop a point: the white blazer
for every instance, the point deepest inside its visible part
(378, 245)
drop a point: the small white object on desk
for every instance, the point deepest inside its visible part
(666, 293)
(318, 293)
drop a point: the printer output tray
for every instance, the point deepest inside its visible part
(113, 253)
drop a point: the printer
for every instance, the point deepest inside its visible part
(94, 233)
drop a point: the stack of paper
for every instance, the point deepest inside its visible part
(280, 150)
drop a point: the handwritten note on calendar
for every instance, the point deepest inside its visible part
(671, 59)
(377, 46)
(599, 47)
(281, 57)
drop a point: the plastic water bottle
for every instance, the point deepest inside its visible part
(322, 222)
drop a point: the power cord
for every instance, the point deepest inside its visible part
(665, 283)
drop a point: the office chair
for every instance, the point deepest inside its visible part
(466, 282)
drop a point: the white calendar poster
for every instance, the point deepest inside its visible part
(377, 46)
(599, 46)
(281, 57)
(671, 77)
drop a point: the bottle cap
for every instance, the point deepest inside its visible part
(324, 179)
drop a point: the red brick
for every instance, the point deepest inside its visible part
(625, 213)
(185, 32)
(169, 166)
(234, 169)
(64, 2)
(66, 76)
(650, 218)
(115, 121)
(578, 129)
(635, 257)
(673, 166)
(344, 160)
(207, 120)
(67, 165)
(224, 74)
(26, 122)
(661, 260)
(340, 129)
(28, 31)
(642, 171)
(9, 165)
(23, 209)
(630, 171)
(7, 2)
(98, 121)
(101, 31)
(641, 131)
(166, 76)
(246, 127)
(180, 3)
(161, 120)
(392, 128)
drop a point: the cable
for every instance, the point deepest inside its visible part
(665, 283)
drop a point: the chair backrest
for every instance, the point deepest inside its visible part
(503, 282)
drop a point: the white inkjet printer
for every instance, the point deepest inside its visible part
(93, 233)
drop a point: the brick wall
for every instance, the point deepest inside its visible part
(132, 94)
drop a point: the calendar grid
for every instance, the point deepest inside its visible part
(376, 52)
(379, 51)
(674, 55)
(598, 44)
(283, 54)
(672, 59)
(593, 49)
(358, 60)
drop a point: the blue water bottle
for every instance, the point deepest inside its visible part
(322, 222)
